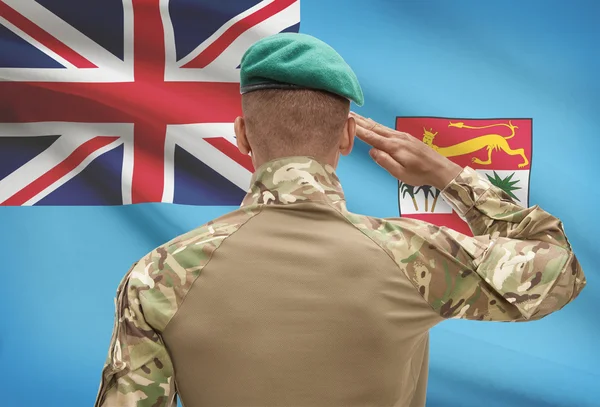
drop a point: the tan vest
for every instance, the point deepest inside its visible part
(294, 301)
(300, 308)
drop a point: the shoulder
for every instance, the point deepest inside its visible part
(392, 235)
(162, 278)
(419, 248)
(402, 238)
(202, 241)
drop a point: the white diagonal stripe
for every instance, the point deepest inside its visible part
(206, 43)
(191, 137)
(232, 56)
(113, 69)
(223, 68)
(71, 174)
(36, 44)
(72, 136)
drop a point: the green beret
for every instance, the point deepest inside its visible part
(297, 61)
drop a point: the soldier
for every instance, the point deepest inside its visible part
(292, 300)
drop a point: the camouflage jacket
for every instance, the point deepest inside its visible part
(518, 267)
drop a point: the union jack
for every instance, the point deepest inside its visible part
(139, 108)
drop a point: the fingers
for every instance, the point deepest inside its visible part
(371, 125)
(387, 162)
(376, 140)
(363, 122)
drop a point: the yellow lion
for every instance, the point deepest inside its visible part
(490, 141)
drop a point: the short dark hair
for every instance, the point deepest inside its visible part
(286, 122)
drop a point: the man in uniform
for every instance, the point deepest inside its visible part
(292, 300)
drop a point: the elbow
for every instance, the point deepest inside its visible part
(575, 278)
(570, 282)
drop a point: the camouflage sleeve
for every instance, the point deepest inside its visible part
(518, 267)
(490, 211)
(138, 371)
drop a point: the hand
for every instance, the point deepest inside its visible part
(405, 157)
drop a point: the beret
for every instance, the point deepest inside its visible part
(297, 61)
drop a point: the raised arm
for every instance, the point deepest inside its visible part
(519, 266)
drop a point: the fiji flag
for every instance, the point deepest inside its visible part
(126, 101)
(116, 135)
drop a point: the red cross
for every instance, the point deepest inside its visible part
(149, 102)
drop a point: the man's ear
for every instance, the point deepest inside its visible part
(239, 127)
(347, 140)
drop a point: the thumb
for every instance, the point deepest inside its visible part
(387, 162)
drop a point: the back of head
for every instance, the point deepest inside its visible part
(293, 122)
(296, 93)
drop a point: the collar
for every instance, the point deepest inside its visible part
(295, 179)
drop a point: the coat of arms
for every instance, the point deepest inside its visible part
(499, 149)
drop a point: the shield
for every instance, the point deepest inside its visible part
(499, 149)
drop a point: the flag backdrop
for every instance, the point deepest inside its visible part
(116, 136)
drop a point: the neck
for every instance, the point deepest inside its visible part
(295, 179)
(259, 160)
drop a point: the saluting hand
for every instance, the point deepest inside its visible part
(405, 157)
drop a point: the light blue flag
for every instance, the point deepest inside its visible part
(115, 137)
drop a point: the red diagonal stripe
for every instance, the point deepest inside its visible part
(43, 37)
(59, 171)
(232, 33)
(231, 151)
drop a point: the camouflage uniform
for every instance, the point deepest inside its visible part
(294, 300)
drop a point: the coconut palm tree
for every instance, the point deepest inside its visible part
(435, 198)
(426, 191)
(506, 184)
(410, 190)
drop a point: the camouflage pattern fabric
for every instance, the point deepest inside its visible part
(138, 371)
(518, 267)
(295, 179)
